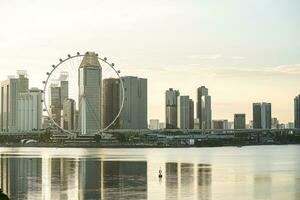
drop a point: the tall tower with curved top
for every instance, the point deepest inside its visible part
(90, 84)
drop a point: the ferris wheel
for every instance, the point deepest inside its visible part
(83, 94)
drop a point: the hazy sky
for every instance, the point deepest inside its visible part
(244, 51)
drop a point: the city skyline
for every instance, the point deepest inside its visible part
(183, 40)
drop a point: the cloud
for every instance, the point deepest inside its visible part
(206, 57)
(237, 57)
(288, 69)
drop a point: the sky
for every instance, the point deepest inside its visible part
(244, 51)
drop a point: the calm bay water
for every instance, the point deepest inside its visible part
(254, 172)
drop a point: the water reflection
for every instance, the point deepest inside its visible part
(65, 178)
(21, 177)
(204, 174)
(90, 176)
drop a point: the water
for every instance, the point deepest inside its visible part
(254, 172)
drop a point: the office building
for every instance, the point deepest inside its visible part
(161, 125)
(290, 125)
(230, 125)
(55, 103)
(111, 103)
(68, 120)
(220, 124)
(46, 122)
(183, 108)
(262, 115)
(297, 111)
(196, 123)
(191, 107)
(257, 115)
(10, 91)
(134, 112)
(90, 93)
(171, 108)
(206, 114)
(266, 115)
(58, 93)
(154, 124)
(239, 121)
(64, 87)
(29, 109)
(275, 123)
(202, 109)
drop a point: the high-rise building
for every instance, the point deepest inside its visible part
(191, 126)
(183, 118)
(29, 108)
(111, 102)
(58, 93)
(10, 91)
(201, 91)
(55, 103)
(239, 121)
(90, 93)
(68, 120)
(297, 111)
(171, 108)
(134, 112)
(205, 122)
(257, 115)
(266, 115)
(262, 115)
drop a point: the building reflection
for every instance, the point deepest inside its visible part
(172, 180)
(262, 187)
(204, 174)
(183, 179)
(21, 177)
(187, 179)
(89, 179)
(123, 179)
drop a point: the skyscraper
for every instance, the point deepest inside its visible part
(55, 103)
(134, 112)
(262, 115)
(171, 108)
(58, 93)
(191, 107)
(111, 102)
(256, 115)
(68, 119)
(205, 122)
(90, 91)
(201, 91)
(297, 111)
(203, 108)
(29, 108)
(183, 118)
(239, 121)
(10, 91)
(266, 115)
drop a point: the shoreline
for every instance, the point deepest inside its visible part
(128, 146)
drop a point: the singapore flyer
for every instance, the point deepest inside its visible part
(78, 94)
